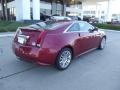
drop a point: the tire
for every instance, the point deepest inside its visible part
(64, 59)
(19, 58)
(102, 43)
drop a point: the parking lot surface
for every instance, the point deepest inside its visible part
(97, 70)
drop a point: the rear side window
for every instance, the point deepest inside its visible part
(74, 28)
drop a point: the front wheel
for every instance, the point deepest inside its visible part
(64, 59)
(103, 43)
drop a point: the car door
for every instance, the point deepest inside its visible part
(87, 36)
(74, 33)
(95, 35)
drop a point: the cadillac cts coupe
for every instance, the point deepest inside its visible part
(57, 42)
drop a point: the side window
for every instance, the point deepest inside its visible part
(75, 27)
(84, 26)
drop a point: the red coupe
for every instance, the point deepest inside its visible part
(57, 42)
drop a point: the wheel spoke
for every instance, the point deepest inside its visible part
(65, 59)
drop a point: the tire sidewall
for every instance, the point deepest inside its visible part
(100, 46)
(58, 59)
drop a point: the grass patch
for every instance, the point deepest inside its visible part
(108, 26)
(7, 26)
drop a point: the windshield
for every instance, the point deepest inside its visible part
(51, 25)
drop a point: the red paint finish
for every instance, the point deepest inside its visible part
(43, 46)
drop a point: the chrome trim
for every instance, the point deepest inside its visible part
(65, 31)
(87, 51)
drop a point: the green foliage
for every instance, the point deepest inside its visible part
(108, 26)
(7, 26)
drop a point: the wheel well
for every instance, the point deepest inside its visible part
(104, 37)
(70, 47)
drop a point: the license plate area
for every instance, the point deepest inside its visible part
(22, 39)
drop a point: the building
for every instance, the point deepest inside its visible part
(30, 9)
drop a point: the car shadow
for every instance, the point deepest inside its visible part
(79, 65)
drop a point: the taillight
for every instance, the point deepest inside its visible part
(40, 38)
(17, 31)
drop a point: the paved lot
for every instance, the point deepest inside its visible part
(98, 70)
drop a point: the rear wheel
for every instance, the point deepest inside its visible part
(64, 59)
(103, 43)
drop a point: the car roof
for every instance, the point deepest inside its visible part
(61, 18)
(56, 24)
(69, 22)
(75, 21)
(62, 23)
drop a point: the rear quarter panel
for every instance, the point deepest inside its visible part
(55, 42)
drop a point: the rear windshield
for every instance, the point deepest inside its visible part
(50, 25)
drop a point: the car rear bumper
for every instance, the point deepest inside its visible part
(43, 56)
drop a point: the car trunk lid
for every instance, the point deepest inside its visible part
(30, 36)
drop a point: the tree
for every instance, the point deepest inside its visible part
(4, 9)
(63, 6)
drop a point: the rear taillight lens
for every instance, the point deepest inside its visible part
(18, 32)
(40, 38)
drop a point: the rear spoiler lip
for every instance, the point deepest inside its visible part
(30, 28)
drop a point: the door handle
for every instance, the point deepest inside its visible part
(79, 34)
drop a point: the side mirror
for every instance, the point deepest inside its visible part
(92, 30)
(95, 29)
